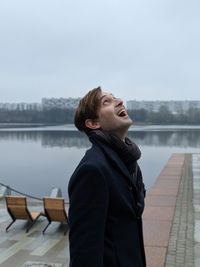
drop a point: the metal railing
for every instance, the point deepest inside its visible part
(56, 192)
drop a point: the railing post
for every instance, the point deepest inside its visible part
(4, 190)
(56, 192)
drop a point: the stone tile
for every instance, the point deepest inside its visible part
(159, 190)
(197, 208)
(175, 162)
(16, 234)
(41, 264)
(168, 183)
(163, 176)
(13, 261)
(155, 256)
(16, 260)
(161, 201)
(171, 171)
(3, 216)
(197, 231)
(196, 201)
(12, 250)
(159, 213)
(197, 255)
(45, 247)
(39, 240)
(196, 191)
(156, 233)
(3, 238)
(7, 243)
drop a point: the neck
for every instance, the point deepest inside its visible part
(121, 135)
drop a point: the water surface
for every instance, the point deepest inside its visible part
(34, 160)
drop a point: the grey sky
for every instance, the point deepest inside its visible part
(147, 49)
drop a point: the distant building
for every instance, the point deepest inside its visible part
(154, 106)
(20, 106)
(61, 103)
(46, 104)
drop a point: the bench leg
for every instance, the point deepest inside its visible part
(9, 225)
(46, 227)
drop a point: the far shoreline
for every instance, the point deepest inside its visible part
(71, 127)
(24, 124)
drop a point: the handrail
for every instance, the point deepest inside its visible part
(23, 194)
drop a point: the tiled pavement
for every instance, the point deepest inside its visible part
(181, 242)
(172, 215)
(196, 204)
(159, 212)
(20, 249)
(171, 225)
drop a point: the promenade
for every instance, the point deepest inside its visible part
(171, 224)
(172, 214)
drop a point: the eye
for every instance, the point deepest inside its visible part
(107, 100)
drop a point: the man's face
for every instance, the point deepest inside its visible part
(112, 115)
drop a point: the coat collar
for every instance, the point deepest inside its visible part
(117, 162)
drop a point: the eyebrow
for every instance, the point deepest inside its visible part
(105, 96)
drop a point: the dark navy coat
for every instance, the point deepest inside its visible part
(104, 229)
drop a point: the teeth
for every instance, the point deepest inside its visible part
(122, 113)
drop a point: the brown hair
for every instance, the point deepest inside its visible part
(87, 109)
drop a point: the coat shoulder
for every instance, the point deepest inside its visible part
(93, 161)
(94, 158)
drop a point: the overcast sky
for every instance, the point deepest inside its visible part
(136, 49)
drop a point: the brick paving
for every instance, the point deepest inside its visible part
(196, 204)
(181, 243)
(178, 187)
(160, 209)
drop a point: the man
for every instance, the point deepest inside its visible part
(106, 191)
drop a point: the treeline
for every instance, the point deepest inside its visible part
(164, 116)
(56, 116)
(66, 116)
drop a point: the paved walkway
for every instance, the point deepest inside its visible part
(171, 224)
(181, 242)
(21, 249)
(196, 204)
(172, 215)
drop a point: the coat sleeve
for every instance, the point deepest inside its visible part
(88, 194)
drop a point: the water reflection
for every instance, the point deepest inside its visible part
(35, 161)
(183, 138)
(186, 138)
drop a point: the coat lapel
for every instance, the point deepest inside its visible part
(118, 163)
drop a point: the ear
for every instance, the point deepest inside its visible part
(92, 124)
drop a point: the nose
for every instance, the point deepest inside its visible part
(119, 101)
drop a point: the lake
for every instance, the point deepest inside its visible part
(36, 159)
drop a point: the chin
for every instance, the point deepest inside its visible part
(125, 126)
(128, 121)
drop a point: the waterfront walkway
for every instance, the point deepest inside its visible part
(171, 224)
(172, 215)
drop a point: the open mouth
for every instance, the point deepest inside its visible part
(122, 113)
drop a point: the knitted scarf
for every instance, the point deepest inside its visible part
(128, 151)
